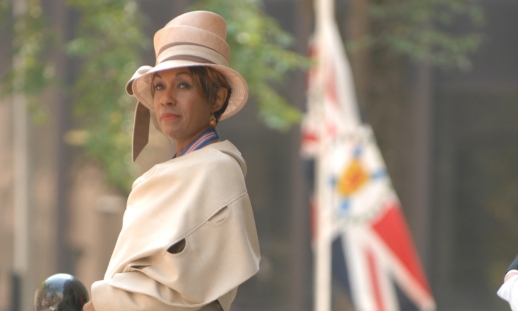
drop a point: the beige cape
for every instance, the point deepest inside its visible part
(200, 197)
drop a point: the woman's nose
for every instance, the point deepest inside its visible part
(168, 99)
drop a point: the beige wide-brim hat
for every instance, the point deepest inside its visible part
(195, 38)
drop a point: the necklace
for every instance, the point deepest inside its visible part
(203, 140)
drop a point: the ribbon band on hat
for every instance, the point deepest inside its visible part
(185, 51)
(141, 129)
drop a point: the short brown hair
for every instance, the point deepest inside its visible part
(208, 81)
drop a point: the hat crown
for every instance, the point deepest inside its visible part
(204, 20)
(198, 34)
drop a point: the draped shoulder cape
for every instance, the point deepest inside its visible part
(199, 198)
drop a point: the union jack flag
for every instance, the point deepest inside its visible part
(362, 244)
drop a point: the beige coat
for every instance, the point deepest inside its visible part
(200, 197)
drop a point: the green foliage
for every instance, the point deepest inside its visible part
(416, 28)
(260, 53)
(108, 41)
(34, 71)
(5, 10)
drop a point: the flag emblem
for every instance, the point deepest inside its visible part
(353, 178)
(358, 178)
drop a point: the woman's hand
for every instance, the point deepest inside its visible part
(89, 306)
(510, 274)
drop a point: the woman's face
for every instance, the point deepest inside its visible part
(183, 113)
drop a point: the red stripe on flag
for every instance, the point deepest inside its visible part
(392, 229)
(373, 276)
(331, 88)
(309, 137)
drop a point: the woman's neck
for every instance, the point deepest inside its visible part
(208, 136)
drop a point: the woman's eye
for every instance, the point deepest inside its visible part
(184, 85)
(159, 86)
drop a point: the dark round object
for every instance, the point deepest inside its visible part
(60, 292)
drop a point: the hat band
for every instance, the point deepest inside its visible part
(192, 50)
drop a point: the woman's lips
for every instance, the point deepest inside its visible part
(168, 116)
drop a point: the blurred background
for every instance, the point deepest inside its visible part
(437, 81)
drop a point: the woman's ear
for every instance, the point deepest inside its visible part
(221, 96)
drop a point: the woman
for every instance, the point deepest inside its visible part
(188, 238)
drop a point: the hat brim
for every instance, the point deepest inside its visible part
(140, 84)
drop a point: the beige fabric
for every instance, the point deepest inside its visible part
(200, 197)
(112, 298)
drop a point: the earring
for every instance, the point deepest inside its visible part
(212, 120)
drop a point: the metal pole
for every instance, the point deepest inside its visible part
(21, 186)
(322, 247)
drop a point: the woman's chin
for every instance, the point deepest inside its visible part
(169, 131)
(170, 136)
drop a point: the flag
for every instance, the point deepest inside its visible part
(361, 241)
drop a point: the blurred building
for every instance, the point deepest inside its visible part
(456, 173)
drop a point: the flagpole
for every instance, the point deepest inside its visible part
(332, 66)
(323, 260)
(322, 241)
(322, 245)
